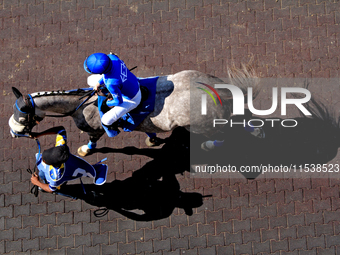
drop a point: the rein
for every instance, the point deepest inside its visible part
(88, 94)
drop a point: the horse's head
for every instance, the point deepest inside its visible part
(24, 117)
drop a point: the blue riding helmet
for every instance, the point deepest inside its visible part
(97, 63)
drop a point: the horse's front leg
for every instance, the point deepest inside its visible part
(84, 150)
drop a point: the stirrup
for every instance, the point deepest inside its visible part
(208, 146)
(259, 133)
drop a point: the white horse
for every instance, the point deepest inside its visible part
(177, 103)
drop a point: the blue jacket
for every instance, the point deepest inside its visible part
(119, 81)
(73, 168)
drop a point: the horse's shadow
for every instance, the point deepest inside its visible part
(312, 141)
(153, 189)
(130, 150)
(140, 199)
(173, 157)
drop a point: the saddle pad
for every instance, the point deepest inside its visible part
(132, 119)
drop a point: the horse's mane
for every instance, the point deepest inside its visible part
(73, 92)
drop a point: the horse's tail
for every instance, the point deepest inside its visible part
(324, 114)
(244, 77)
(319, 110)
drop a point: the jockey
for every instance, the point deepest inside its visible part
(57, 165)
(120, 82)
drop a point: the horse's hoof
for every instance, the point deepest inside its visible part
(83, 150)
(152, 142)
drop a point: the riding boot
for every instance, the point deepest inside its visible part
(114, 126)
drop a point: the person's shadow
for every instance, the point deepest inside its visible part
(153, 190)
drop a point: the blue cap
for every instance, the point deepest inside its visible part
(97, 63)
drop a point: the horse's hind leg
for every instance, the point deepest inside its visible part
(86, 149)
(152, 140)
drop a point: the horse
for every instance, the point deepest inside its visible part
(177, 103)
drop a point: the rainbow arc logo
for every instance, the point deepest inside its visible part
(208, 92)
(204, 97)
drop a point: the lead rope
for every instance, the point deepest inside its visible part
(101, 212)
(34, 190)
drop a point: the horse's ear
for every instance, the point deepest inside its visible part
(16, 92)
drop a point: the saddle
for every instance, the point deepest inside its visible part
(144, 91)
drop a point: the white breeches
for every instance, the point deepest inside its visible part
(118, 111)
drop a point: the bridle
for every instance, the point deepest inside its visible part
(25, 107)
